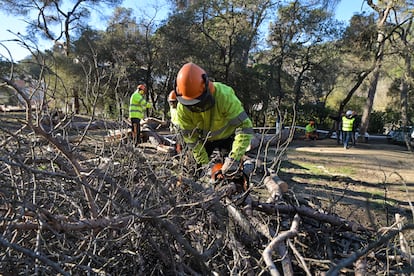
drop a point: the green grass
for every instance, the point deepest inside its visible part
(343, 171)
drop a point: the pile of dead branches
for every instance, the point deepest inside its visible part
(89, 206)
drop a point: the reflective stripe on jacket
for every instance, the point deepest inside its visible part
(347, 123)
(137, 105)
(225, 118)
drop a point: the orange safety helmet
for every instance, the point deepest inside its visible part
(172, 97)
(142, 87)
(192, 83)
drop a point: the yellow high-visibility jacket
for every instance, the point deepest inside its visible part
(347, 123)
(173, 114)
(225, 118)
(137, 105)
(310, 128)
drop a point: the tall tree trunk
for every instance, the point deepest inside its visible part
(406, 82)
(76, 105)
(370, 100)
(361, 77)
(297, 88)
(405, 87)
(278, 90)
(381, 39)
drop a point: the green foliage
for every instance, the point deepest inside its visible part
(309, 63)
(315, 112)
(7, 97)
(376, 122)
(4, 67)
(361, 36)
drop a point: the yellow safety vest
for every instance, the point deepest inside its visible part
(347, 123)
(137, 105)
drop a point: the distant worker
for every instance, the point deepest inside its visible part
(347, 127)
(172, 101)
(311, 132)
(137, 107)
(355, 126)
(174, 127)
(211, 117)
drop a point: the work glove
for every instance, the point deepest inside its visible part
(230, 166)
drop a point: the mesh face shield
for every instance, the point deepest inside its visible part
(206, 102)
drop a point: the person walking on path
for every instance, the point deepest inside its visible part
(137, 107)
(211, 117)
(347, 127)
(355, 126)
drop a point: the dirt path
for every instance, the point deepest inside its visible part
(376, 177)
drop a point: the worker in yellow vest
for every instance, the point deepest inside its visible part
(174, 126)
(211, 116)
(347, 127)
(137, 107)
(172, 101)
(311, 132)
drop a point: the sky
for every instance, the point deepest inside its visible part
(11, 25)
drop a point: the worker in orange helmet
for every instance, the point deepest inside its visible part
(137, 107)
(172, 101)
(174, 127)
(211, 117)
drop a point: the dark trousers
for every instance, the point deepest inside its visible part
(136, 130)
(353, 138)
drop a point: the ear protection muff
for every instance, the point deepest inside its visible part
(206, 81)
(175, 87)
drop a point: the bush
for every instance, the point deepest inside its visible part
(376, 122)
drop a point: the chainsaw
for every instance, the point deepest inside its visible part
(235, 187)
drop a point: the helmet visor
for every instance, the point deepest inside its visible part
(204, 103)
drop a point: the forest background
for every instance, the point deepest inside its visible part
(76, 200)
(303, 65)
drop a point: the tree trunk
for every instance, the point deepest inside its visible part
(406, 78)
(370, 101)
(381, 39)
(76, 105)
(405, 87)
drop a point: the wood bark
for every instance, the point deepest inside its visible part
(381, 40)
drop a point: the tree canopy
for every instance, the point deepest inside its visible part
(279, 55)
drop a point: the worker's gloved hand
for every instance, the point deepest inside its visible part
(230, 166)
